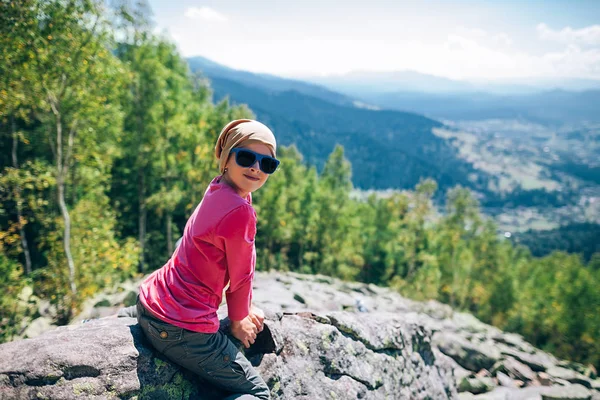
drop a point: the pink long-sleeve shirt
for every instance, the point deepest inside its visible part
(217, 248)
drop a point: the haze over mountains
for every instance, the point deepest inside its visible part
(550, 102)
(535, 149)
(412, 81)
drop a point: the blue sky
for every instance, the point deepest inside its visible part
(469, 40)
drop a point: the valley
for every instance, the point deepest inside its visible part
(529, 158)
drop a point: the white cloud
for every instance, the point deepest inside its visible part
(483, 37)
(479, 55)
(574, 61)
(459, 53)
(588, 36)
(466, 57)
(206, 14)
(502, 39)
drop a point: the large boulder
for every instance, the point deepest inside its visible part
(569, 392)
(326, 339)
(333, 355)
(473, 356)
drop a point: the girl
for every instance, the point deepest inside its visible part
(177, 306)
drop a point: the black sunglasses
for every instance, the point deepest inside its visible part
(247, 158)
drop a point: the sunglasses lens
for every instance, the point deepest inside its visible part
(268, 165)
(245, 158)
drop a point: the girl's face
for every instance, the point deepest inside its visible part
(246, 180)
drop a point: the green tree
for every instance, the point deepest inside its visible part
(173, 129)
(338, 238)
(18, 96)
(73, 67)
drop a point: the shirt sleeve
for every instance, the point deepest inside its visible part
(237, 230)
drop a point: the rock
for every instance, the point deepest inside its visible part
(510, 339)
(37, 327)
(355, 356)
(571, 392)
(545, 379)
(472, 356)
(484, 373)
(108, 303)
(589, 371)
(476, 385)
(570, 376)
(437, 310)
(504, 393)
(378, 355)
(468, 323)
(45, 309)
(506, 381)
(538, 361)
(100, 357)
(514, 369)
(398, 348)
(457, 372)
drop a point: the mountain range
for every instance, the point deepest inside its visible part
(387, 148)
(553, 108)
(388, 134)
(416, 82)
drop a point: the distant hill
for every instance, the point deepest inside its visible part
(547, 101)
(388, 149)
(269, 83)
(358, 83)
(550, 108)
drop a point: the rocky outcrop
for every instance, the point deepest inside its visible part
(332, 355)
(326, 340)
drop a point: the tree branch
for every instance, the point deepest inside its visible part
(70, 144)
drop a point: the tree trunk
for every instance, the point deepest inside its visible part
(142, 216)
(62, 168)
(18, 199)
(67, 235)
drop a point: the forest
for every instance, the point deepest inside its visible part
(108, 141)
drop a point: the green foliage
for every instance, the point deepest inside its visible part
(27, 188)
(14, 298)
(104, 260)
(572, 238)
(556, 306)
(167, 157)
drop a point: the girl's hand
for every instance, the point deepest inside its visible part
(258, 317)
(245, 331)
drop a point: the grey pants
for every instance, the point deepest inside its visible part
(213, 356)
